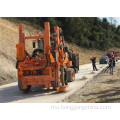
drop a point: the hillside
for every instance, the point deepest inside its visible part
(8, 40)
(88, 32)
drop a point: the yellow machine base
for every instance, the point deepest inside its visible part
(62, 89)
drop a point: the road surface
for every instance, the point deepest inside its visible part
(38, 94)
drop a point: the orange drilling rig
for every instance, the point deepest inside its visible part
(51, 64)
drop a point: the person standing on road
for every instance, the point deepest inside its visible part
(93, 59)
(111, 65)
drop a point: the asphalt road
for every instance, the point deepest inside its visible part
(38, 94)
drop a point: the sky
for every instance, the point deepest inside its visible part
(115, 18)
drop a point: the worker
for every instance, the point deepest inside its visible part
(111, 65)
(93, 59)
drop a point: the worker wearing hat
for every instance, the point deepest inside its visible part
(93, 59)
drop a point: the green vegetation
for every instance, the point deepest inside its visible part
(88, 32)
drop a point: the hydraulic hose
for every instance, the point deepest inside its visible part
(40, 51)
(36, 50)
(46, 63)
(20, 61)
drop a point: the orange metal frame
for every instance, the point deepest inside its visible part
(52, 72)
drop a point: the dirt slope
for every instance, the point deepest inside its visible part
(8, 40)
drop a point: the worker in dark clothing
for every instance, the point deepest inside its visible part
(111, 65)
(93, 59)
